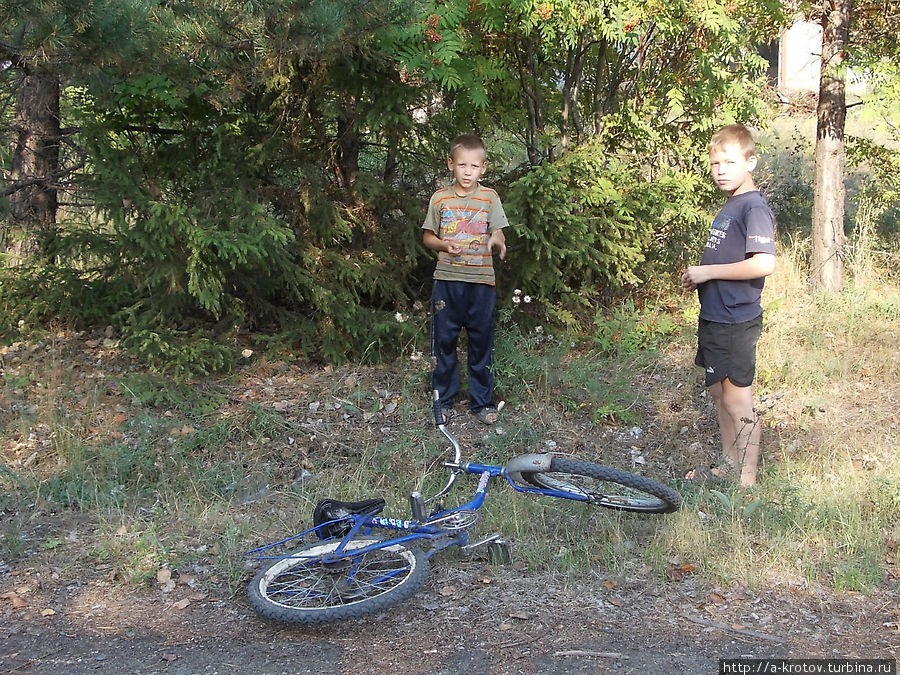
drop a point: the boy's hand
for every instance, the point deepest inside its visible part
(454, 248)
(498, 242)
(693, 276)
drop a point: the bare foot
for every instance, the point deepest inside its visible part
(719, 472)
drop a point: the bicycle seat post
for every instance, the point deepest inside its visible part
(417, 506)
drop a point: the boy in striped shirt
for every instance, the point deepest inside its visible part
(465, 225)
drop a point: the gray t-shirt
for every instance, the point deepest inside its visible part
(745, 225)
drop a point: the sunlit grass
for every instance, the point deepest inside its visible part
(195, 475)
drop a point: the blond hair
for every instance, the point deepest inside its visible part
(467, 142)
(734, 134)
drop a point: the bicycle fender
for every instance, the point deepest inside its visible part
(527, 464)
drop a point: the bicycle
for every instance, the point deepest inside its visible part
(359, 563)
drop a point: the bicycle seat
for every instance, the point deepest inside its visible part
(332, 509)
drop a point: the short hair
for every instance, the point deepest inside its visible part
(734, 133)
(467, 142)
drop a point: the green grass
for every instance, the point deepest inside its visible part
(178, 475)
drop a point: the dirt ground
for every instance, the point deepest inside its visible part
(76, 616)
(470, 618)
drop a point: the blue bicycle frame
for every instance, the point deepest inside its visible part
(431, 530)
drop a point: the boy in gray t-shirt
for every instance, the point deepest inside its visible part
(739, 254)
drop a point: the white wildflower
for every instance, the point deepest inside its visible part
(517, 292)
(527, 299)
(516, 299)
(538, 329)
(399, 317)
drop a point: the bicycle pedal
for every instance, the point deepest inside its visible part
(497, 549)
(499, 552)
(417, 506)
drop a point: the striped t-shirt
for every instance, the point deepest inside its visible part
(469, 220)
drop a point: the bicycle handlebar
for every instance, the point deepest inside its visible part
(457, 450)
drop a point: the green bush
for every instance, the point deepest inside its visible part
(594, 224)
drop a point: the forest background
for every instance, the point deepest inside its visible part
(203, 175)
(203, 197)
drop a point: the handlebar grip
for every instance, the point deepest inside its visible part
(436, 408)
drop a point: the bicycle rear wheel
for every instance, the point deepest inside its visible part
(308, 587)
(605, 486)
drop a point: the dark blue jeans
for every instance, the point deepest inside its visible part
(456, 305)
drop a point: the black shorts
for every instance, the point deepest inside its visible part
(728, 350)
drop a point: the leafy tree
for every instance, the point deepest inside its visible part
(267, 165)
(46, 45)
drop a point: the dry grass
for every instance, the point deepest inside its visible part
(192, 476)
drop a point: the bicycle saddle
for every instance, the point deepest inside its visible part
(332, 509)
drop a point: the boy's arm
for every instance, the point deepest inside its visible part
(498, 241)
(435, 243)
(756, 266)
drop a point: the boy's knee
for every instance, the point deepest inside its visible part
(737, 400)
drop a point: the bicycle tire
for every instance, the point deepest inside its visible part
(641, 495)
(303, 588)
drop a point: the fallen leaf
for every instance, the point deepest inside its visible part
(163, 575)
(182, 604)
(186, 430)
(519, 615)
(737, 626)
(447, 591)
(121, 417)
(618, 602)
(718, 598)
(169, 657)
(48, 612)
(505, 626)
(678, 573)
(610, 584)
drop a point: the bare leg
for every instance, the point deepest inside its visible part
(739, 428)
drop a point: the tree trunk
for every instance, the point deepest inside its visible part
(827, 263)
(349, 143)
(35, 166)
(571, 84)
(527, 72)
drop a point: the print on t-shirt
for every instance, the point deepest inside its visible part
(718, 231)
(469, 228)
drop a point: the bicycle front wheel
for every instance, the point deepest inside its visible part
(309, 587)
(605, 486)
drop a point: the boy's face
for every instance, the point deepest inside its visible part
(731, 169)
(467, 167)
